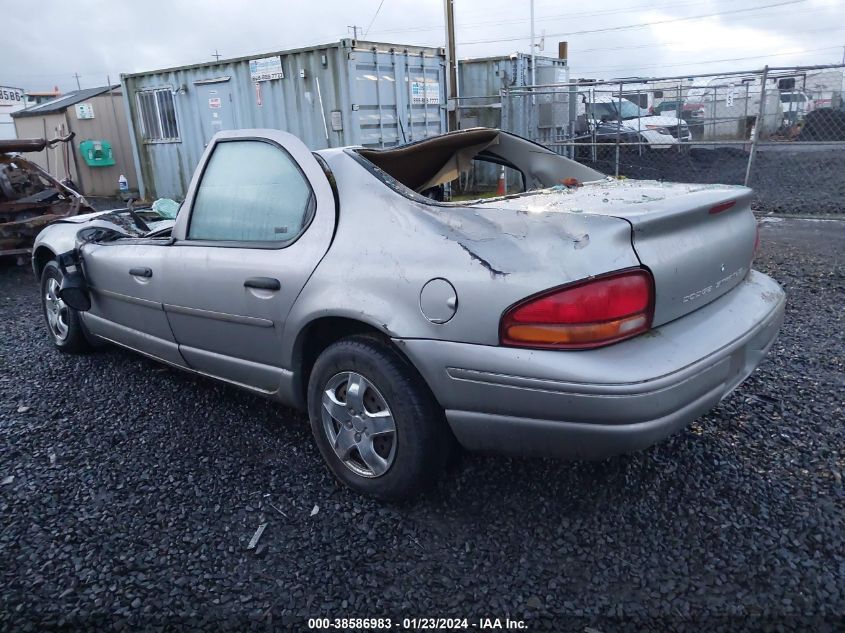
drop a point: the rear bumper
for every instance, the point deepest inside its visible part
(597, 403)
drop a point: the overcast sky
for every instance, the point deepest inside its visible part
(46, 42)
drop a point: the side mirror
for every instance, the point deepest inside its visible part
(74, 290)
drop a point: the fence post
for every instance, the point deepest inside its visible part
(593, 138)
(678, 110)
(758, 126)
(618, 126)
(504, 112)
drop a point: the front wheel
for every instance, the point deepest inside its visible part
(63, 322)
(375, 421)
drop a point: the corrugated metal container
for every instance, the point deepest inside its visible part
(344, 93)
(481, 80)
(480, 83)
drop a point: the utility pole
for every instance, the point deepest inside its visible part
(355, 30)
(216, 55)
(533, 50)
(451, 68)
(77, 76)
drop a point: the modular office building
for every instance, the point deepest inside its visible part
(344, 93)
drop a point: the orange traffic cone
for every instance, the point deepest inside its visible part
(502, 189)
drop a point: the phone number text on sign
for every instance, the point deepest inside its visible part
(11, 96)
(266, 69)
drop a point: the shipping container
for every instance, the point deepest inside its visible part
(482, 79)
(481, 82)
(344, 93)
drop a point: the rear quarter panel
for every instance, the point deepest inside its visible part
(387, 246)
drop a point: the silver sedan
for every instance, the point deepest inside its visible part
(558, 312)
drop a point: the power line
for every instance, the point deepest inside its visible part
(709, 61)
(380, 4)
(640, 25)
(561, 16)
(652, 45)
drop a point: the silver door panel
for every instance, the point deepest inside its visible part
(139, 341)
(130, 301)
(255, 375)
(208, 307)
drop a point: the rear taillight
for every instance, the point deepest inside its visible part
(722, 207)
(582, 315)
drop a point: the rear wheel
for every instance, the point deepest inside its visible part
(375, 421)
(63, 322)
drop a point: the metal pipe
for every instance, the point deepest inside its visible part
(758, 127)
(323, 110)
(683, 77)
(451, 68)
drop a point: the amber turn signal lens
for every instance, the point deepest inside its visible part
(576, 334)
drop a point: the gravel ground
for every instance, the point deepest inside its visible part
(804, 179)
(129, 492)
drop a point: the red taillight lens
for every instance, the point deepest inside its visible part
(721, 207)
(582, 315)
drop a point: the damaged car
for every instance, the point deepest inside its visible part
(31, 198)
(581, 317)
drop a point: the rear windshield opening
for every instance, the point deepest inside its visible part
(457, 159)
(475, 163)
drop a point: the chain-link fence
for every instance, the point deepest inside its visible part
(779, 130)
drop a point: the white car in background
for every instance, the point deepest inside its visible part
(795, 105)
(657, 132)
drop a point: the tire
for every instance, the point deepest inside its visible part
(399, 464)
(63, 322)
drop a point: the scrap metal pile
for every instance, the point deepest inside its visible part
(30, 198)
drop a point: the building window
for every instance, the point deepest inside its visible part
(158, 115)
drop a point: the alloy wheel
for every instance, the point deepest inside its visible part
(56, 310)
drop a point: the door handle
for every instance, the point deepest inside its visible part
(263, 283)
(141, 272)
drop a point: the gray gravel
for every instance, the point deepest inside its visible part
(803, 179)
(129, 493)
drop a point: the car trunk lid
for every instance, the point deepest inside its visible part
(697, 240)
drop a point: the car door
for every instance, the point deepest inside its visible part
(125, 277)
(257, 220)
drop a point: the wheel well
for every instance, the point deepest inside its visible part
(40, 257)
(317, 336)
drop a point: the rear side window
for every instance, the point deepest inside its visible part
(251, 191)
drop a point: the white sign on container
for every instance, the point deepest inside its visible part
(11, 96)
(84, 111)
(266, 68)
(427, 92)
